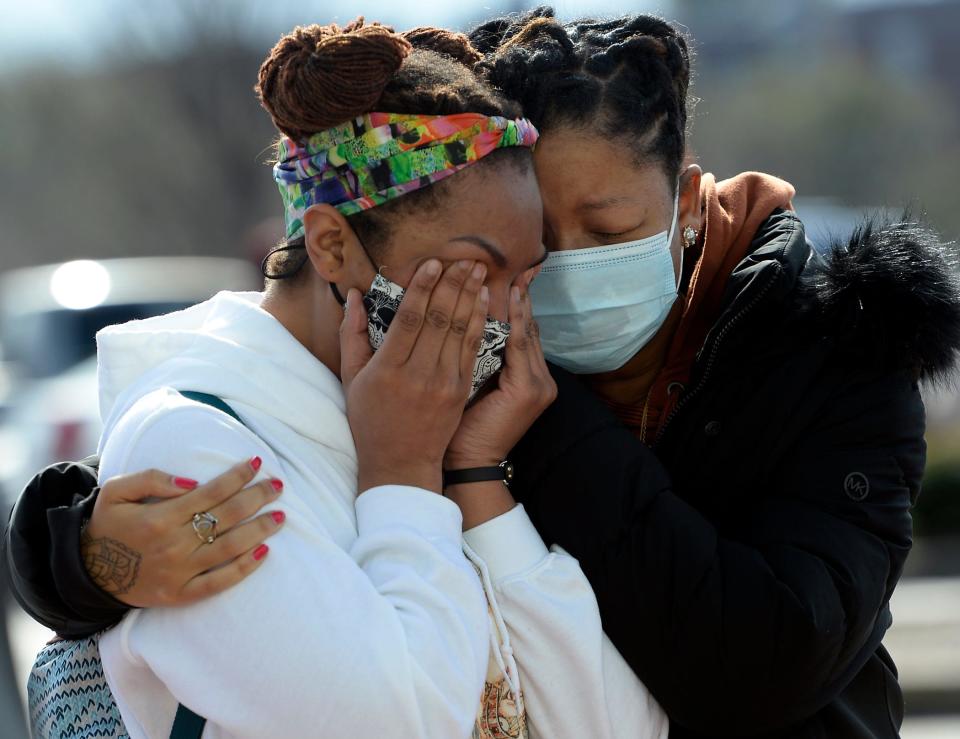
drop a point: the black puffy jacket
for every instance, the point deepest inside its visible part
(743, 565)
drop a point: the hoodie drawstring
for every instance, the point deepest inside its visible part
(501, 647)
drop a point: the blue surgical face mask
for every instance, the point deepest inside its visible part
(597, 307)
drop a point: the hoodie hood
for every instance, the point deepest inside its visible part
(230, 347)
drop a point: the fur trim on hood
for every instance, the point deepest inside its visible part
(894, 288)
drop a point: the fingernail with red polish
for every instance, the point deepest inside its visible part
(185, 483)
(276, 485)
(260, 552)
(256, 463)
(279, 517)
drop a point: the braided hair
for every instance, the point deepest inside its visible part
(628, 77)
(317, 77)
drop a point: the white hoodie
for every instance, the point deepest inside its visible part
(367, 619)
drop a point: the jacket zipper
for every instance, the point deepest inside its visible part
(714, 349)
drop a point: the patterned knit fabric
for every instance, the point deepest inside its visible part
(68, 695)
(380, 156)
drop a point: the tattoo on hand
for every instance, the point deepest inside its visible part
(112, 565)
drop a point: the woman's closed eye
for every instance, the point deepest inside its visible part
(608, 234)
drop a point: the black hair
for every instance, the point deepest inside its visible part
(628, 77)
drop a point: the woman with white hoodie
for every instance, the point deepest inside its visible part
(373, 615)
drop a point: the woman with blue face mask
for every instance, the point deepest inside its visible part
(737, 439)
(738, 436)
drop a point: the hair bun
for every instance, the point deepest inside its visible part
(317, 77)
(490, 36)
(450, 43)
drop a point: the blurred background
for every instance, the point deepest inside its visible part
(134, 180)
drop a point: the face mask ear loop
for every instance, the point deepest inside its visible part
(673, 228)
(680, 271)
(338, 296)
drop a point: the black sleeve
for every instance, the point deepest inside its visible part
(42, 553)
(750, 632)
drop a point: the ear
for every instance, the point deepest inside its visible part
(332, 245)
(688, 210)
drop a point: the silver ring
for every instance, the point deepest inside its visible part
(205, 527)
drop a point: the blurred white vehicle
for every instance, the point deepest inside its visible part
(48, 319)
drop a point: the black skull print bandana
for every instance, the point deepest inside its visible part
(382, 301)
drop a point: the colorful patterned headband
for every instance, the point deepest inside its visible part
(380, 156)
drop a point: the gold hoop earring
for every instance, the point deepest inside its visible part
(689, 236)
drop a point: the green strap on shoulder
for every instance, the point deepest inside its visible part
(187, 724)
(213, 401)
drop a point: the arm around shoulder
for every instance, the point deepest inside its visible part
(42, 553)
